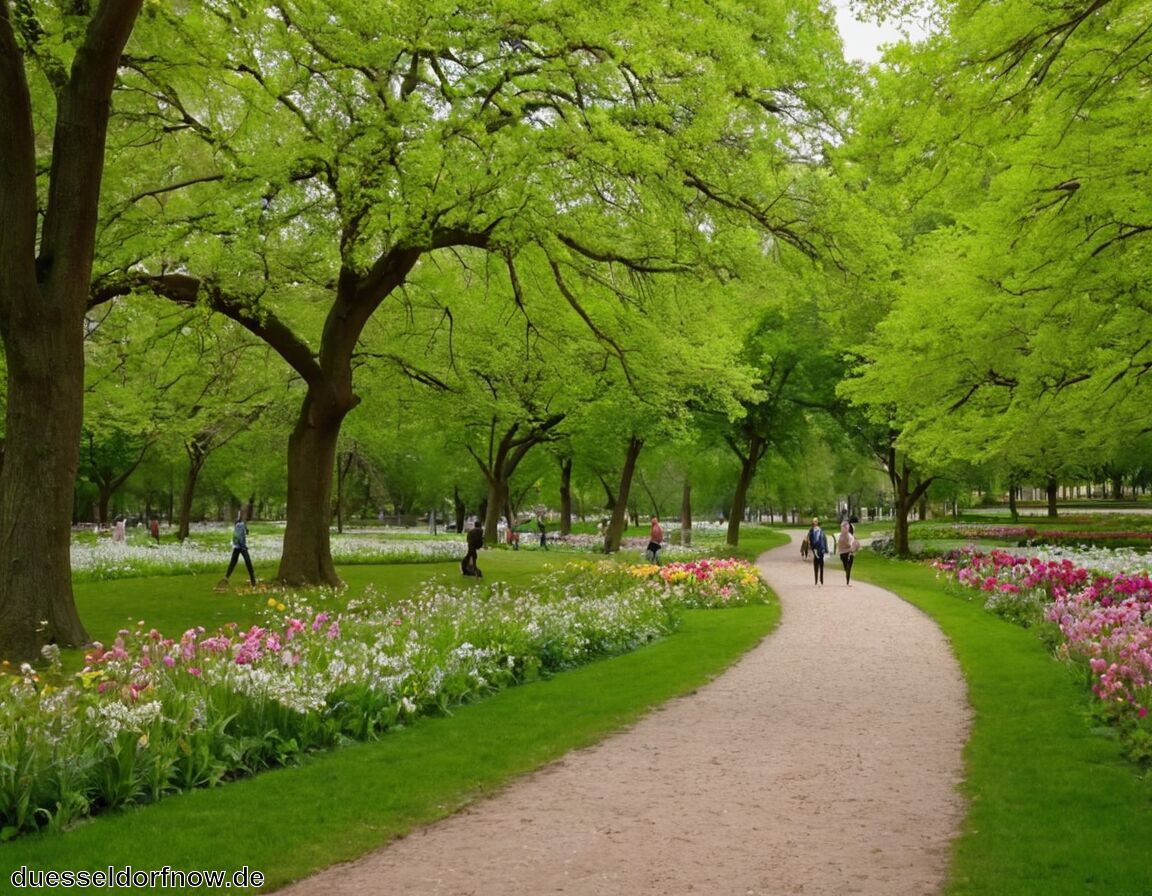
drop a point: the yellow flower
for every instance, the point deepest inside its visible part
(272, 602)
(281, 607)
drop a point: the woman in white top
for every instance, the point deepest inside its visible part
(847, 545)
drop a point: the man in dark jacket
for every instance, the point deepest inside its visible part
(818, 543)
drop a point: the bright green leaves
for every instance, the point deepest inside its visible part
(1009, 150)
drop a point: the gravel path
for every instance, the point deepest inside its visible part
(824, 762)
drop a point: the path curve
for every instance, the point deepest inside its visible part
(826, 761)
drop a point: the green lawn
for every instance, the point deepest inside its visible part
(174, 603)
(1054, 809)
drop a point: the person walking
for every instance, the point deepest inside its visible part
(847, 545)
(818, 544)
(240, 549)
(475, 540)
(154, 530)
(543, 533)
(655, 541)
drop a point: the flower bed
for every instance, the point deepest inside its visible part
(707, 583)
(1102, 619)
(105, 559)
(1029, 535)
(151, 714)
(210, 550)
(974, 532)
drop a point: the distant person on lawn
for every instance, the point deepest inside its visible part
(655, 541)
(240, 549)
(475, 539)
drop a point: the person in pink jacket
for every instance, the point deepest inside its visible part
(655, 541)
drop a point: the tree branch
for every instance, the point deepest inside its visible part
(188, 291)
(600, 335)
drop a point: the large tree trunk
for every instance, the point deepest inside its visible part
(45, 277)
(615, 531)
(307, 554)
(42, 454)
(901, 528)
(1053, 490)
(494, 506)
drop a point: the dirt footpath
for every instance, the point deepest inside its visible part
(824, 762)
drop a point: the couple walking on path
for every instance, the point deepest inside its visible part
(846, 544)
(823, 763)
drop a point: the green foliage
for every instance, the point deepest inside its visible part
(1016, 309)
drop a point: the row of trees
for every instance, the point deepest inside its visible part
(303, 170)
(465, 399)
(1005, 152)
(546, 225)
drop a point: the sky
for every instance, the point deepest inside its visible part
(862, 40)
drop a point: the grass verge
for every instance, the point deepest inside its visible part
(1053, 808)
(335, 806)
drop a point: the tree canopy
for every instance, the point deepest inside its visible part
(558, 226)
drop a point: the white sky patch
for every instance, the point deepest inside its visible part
(863, 40)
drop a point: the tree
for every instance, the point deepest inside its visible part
(503, 375)
(57, 75)
(357, 157)
(157, 373)
(1016, 338)
(107, 461)
(796, 373)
